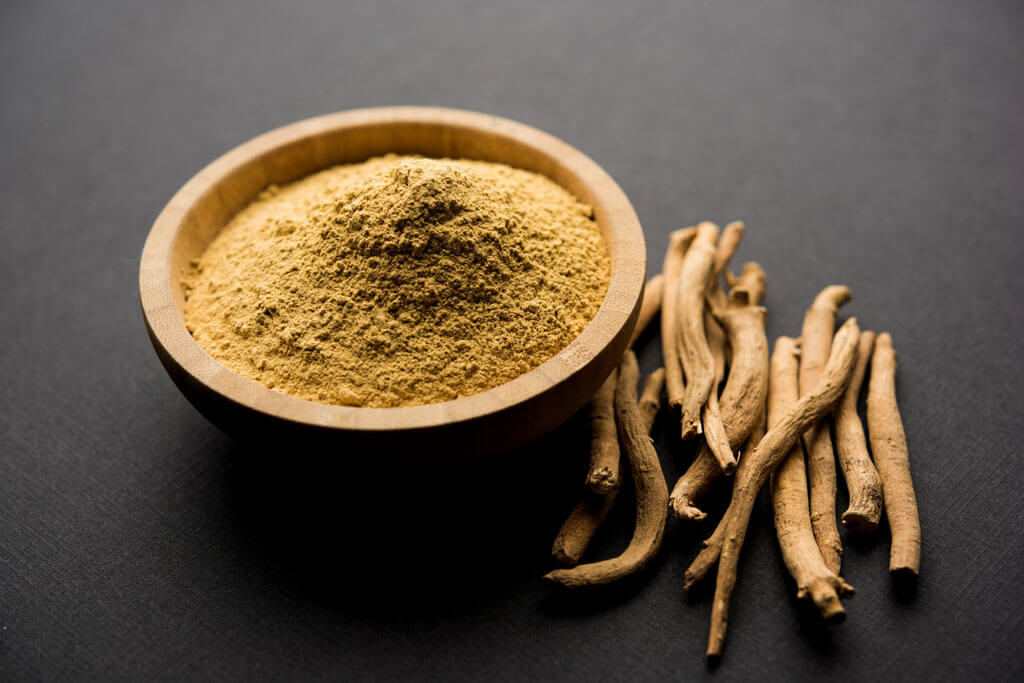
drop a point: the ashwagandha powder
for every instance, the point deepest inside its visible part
(399, 281)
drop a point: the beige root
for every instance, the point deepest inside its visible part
(649, 306)
(715, 436)
(742, 400)
(711, 417)
(697, 361)
(889, 446)
(678, 242)
(768, 454)
(728, 243)
(819, 321)
(603, 475)
(789, 498)
(592, 509)
(865, 508)
(708, 556)
(711, 548)
(651, 492)
(580, 526)
(650, 398)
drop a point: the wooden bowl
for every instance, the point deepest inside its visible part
(494, 420)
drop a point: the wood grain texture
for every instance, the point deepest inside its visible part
(497, 419)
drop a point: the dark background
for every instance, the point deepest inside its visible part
(876, 144)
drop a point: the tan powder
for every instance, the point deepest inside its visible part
(399, 281)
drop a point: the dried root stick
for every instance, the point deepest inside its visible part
(742, 400)
(789, 498)
(889, 446)
(603, 475)
(650, 398)
(862, 480)
(819, 321)
(728, 243)
(770, 452)
(580, 526)
(707, 558)
(697, 361)
(711, 417)
(678, 242)
(715, 437)
(649, 306)
(651, 492)
(590, 512)
(711, 548)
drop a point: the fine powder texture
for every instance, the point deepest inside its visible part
(399, 281)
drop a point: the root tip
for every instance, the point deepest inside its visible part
(602, 481)
(859, 521)
(835, 618)
(683, 510)
(555, 576)
(904, 573)
(563, 559)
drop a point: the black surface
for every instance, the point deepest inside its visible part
(876, 144)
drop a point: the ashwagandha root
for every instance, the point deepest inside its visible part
(711, 416)
(728, 243)
(698, 364)
(889, 446)
(742, 400)
(649, 306)
(711, 548)
(580, 526)
(862, 482)
(678, 243)
(650, 398)
(768, 454)
(602, 479)
(789, 498)
(819, 321)
(651, 491)
(592, 509)
(715, 436)
(603, 474)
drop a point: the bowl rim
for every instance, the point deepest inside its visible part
(167, 330)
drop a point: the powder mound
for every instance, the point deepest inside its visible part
(399, 281)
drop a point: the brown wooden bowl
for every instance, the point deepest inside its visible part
(494, 420)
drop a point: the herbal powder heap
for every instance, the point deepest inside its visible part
(398, 281)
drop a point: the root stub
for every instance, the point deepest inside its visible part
(580, 526)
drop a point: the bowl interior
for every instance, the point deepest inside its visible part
(206, 203)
